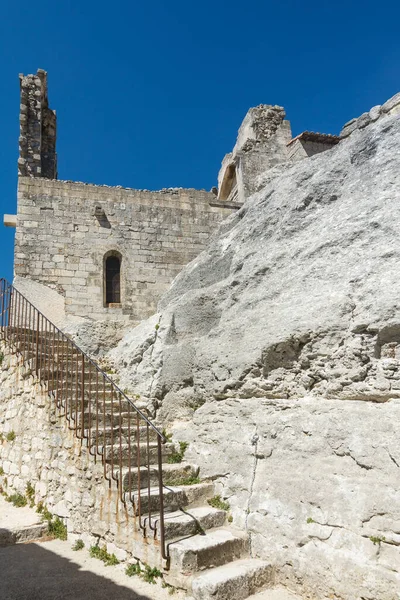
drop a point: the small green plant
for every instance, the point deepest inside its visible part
(157, 327)
(216, 502)
(58, 529)
(1, 358)
(79, 545)
(30, 494)
(150, 574)
(17, 500)
(177, 457)
(46, 514)
(55, 526)
(1, 471)
(10, 437)
(376, 539)
(102, 554)
(310, 520)
(230, 519)
(171, 590)
(191, 480)
(168, 436)
(133, 569)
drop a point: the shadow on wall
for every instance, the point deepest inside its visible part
(31, 572)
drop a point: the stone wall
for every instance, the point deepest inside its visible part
(300, 149)
(261, 144)
(64, 230)
(46, 454)
(37, 141)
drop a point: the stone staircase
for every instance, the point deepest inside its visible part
(203, 553)
(208, 557)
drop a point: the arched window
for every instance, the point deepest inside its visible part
(112, 278)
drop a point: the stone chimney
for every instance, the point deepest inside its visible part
(37, 140)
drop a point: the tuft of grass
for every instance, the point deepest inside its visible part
(1, 358)
(55, 526)
(102, 554)
(1, 471)
(168, 436)
(171, 590)
(79, 545)
(177, 457)
(310, 520)
(30, 494)
(17, 500)
(376, 539)
(230, 519)
(148, 574)
(216, 502)
(186, 481)
(58, 529)
(10, 437)
(133, 569)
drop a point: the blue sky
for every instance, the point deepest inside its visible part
(151, 94)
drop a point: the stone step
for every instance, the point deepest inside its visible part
(19, 525)
(192, 521)
(108, 433)
(213, 549)
(21, 535)
(126, 452)
(239, 579)
(175, 498)
(173, 474)
(275, 593)
(115, 419)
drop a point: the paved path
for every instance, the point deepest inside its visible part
(51, 570)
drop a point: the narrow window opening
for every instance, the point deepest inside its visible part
(229, 184)
(113, 280)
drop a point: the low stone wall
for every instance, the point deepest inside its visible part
(390, 107)
(65, 477)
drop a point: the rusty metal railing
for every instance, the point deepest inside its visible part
(97, 411)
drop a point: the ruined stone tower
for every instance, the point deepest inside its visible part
(37, 140)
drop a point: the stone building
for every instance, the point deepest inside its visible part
(109, 253)
(264, 141)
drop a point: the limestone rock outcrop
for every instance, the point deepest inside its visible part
(296, 294)
(276, 355)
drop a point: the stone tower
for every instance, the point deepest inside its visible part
(37, 140)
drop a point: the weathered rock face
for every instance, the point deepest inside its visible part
(315, 483)
(298, 293)
(276, 355)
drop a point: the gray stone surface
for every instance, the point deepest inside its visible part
(236, 580)
(297, 294)
(277, 357)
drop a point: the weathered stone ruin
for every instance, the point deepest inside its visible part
(271, 364)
